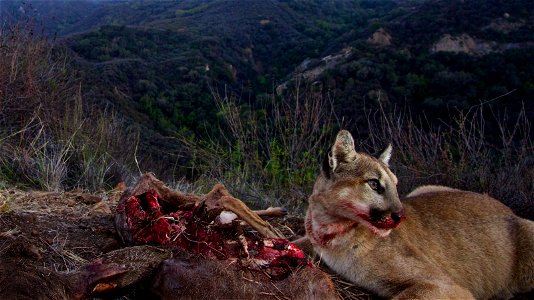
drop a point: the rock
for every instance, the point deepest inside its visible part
(463, 43)
(380, 38)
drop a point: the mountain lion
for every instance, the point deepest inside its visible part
(438, 242)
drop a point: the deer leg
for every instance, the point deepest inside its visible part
(434, 290)
(149, 182)
(272, 212)
(244, 213)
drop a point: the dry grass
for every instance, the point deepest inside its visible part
(266, 156)
(271, 156)
(348, 290)
(59, 229)
(480, 150)
(49, 137)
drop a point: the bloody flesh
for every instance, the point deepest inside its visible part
(193, 229)
(378, 220)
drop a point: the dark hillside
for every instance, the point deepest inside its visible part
(52, 16)
(501, 21)
(267, 35)
(437, 57)
(165, 55)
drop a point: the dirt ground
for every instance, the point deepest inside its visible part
(60, 230)
(63, 231)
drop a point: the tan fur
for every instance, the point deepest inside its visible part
(452, 244)
(425, 189)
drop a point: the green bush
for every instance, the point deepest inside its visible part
(266, 156)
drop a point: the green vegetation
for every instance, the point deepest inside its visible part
(191, 11)
(163, 65)
(431, 83)
(267, 156)
(408, 74)
(169, 70)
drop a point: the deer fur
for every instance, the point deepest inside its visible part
(194, 278)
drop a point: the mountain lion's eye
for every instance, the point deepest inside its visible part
(374, 184)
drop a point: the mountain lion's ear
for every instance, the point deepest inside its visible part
(343, 150)
(386, 155)
(325, 166)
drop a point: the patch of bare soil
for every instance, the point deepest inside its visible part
(61, 231)
(64, 231)
(43, 233)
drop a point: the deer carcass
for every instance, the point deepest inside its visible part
(215, 250)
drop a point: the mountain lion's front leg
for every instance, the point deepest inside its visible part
(434, 290)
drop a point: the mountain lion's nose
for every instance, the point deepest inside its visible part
(397, 217)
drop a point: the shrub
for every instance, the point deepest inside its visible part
(469, 153)
(271, 156)
(49, 137)
(267, 156)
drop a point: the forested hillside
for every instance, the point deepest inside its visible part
(436, 57)
(253, 90)
(168, 55)
(49, 17)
